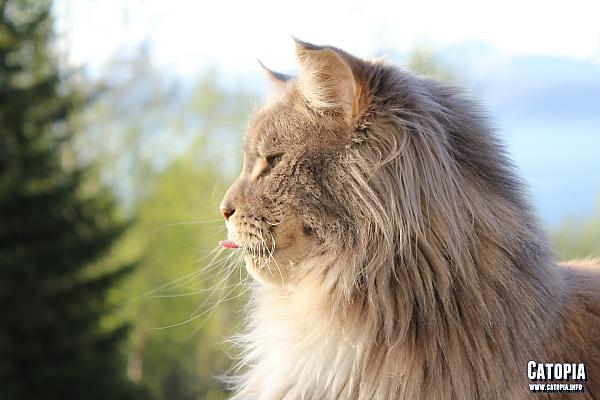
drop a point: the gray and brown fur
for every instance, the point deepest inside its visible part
(394, 251)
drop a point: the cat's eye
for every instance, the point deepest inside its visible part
(265, 164)
(273, 159)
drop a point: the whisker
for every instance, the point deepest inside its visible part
(221, 301)
(193, 292)
(176, 283)
(172, 224)
(213, 281)
(223, 280)
(212, 306)
(159, 288)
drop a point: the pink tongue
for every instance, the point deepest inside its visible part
(228, 244)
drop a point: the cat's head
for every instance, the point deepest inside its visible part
(287, 206)
(345, 165)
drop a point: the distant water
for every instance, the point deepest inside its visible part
(560, 161)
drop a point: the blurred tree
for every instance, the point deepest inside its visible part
(424, 61)
(177, 225)
(145, 118)
(55, 226)
(131, 124)
(167, 148)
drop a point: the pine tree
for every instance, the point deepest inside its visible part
(54, 228)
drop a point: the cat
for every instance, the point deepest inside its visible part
(394, 253)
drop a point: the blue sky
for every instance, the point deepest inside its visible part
(547, 109)
(535, 65)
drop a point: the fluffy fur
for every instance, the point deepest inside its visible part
(394, 252)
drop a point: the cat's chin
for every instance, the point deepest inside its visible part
(282, 266)
(272, 271)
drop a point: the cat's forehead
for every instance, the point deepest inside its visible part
(288, 122)
(275, 123)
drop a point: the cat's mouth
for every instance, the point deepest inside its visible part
(228, 244)
(261, 239)
(248, 247)
(271, 253)
(260, 259)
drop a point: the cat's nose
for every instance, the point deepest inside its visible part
(227, 212)
(229, 202)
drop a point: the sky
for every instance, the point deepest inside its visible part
(534, 64)
(187, 35)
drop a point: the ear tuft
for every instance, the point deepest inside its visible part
(302, 45)
(276, 78)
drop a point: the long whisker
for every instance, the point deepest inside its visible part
(172, 224)
(162, 287)
(223, 280)
(193, 292)
(179, 282)
(223, 300)
(212, 306)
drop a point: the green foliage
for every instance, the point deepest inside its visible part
(178, 226)
(55, 228)
(578, 238)
(170, 154)
(423, 61)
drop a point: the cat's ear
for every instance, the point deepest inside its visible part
(326, 80)
(278, 80)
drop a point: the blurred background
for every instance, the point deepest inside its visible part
(120, 129)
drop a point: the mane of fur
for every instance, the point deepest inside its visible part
(441, 285)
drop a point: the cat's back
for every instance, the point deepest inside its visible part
(581, 334)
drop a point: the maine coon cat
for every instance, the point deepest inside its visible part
(394, 254)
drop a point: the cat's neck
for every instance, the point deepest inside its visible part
(421, 319)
